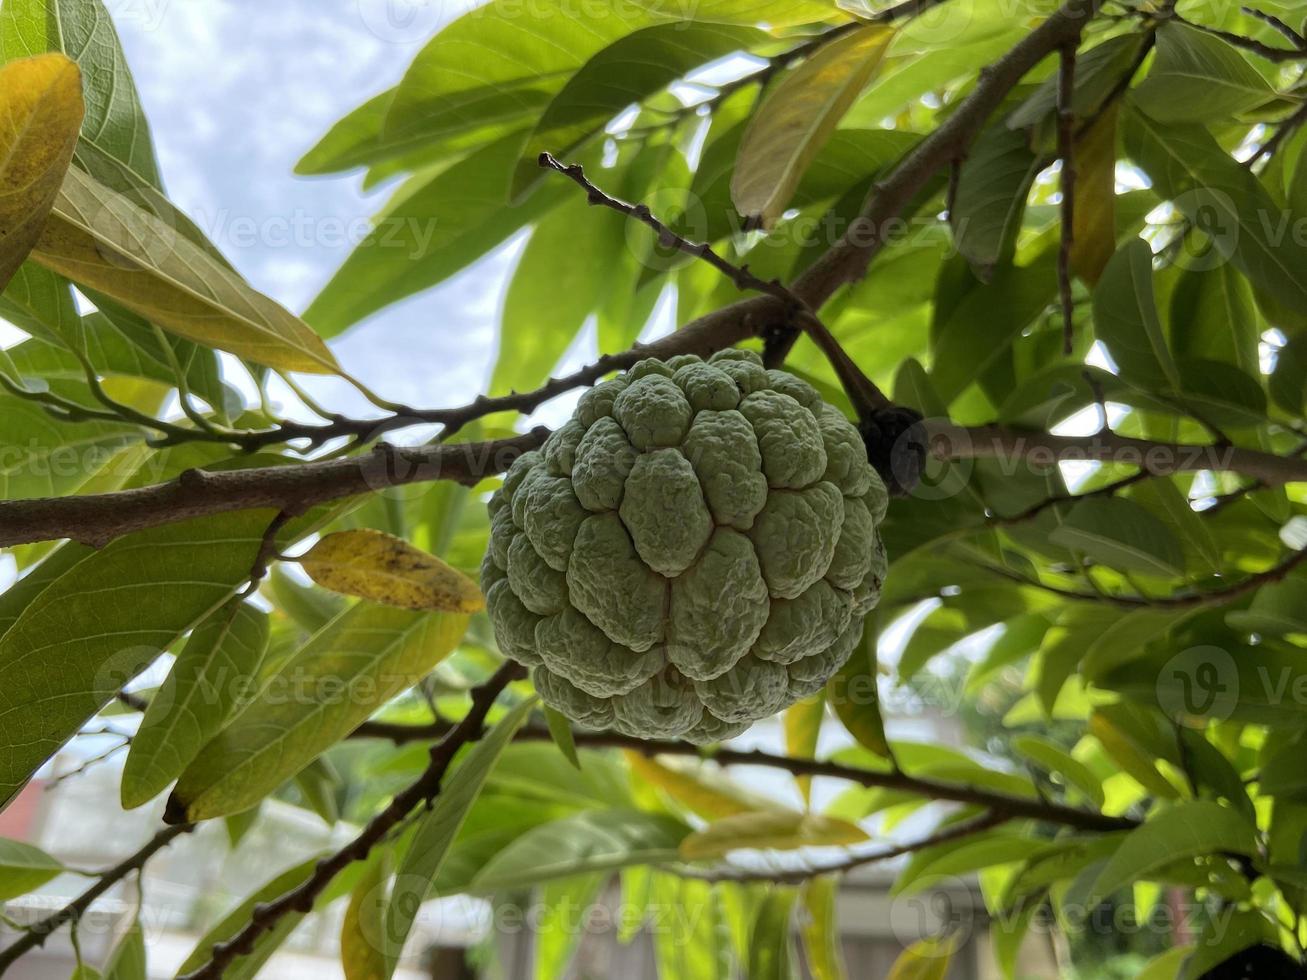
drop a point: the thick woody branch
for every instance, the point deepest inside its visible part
(78, 907)
(97, 518)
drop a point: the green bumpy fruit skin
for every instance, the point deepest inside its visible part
(697, 548)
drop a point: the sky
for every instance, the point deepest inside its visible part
(236, 91)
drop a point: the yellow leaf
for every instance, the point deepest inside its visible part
(1094, 220)
(926, 959)
(692, 790)
(386, 569)
(798, 117)
(114, 243)
(802, 724)
(41, 112)
(780, 830)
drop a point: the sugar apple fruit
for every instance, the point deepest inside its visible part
(695, 549)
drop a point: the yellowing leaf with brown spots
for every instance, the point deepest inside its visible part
(386, 569)
(41, 112)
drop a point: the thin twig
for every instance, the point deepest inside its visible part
(1034, 510)
(1191, 600)
(1066, 150)
(894, 779)
(956, 832)
(37, 934)
(426, 788)
(1259, 48)
(1294, 38)
(864, 394)
(1283, 131)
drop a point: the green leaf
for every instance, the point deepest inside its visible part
(46, 458)
(854, 693)
(1125, 318)
(115, 123)
(1099, 71)
(1121, 535)
(1127, 637)
(362, 932)
(319, 787)
(595, 840)
(320, 694)
(558, 282)
(771, 952)
(1054, 760)
(438, 829)
(770, 829)
(104, 621)
(1184, 830)
(557, 935)
(431, 228)
(798, 117)
(24, 868)
(310, 608)
(819, 928)
(929, 867)
(1278, 608)
(1165, 966)
(975, 334)
(1214, 317)
(247, 966)
(20, 595)
(625, 73)
(1225, 201)
(127, 961)
(1130, 751)
(926, 959)
(40, 113)
(493, 67)
(695, 946)
(990, 200)
(560, 730)
(101, 238)
(214, 675)
(1165, 501)
(802, 724)
(1197, 77)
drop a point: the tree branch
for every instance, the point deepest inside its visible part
(37, 934)
(1044, 450)
(958, 831)
(1011, 806)
(95, 519)
(864, 395)
(426, 788)
(1066, 150)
